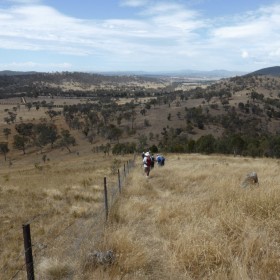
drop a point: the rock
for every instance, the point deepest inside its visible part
(101, 258)
(250, 180)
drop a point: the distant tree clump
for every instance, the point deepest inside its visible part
(20, 142)
(124, 148)
(67, 140)
(7, 132)
(4, 149)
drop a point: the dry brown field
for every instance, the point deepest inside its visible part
(191, 219)
(66, 86)
(61, 199)
(156, 116)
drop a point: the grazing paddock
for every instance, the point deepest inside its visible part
(52, 197)
(190, 220)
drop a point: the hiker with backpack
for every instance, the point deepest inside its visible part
(152, 161)
(160, 160)
(147, 163)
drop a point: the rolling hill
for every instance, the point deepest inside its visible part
(239, 115)
(270, 71)
(189, 219)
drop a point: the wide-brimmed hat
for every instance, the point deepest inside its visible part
(147, 154)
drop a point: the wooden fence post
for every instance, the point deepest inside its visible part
(119, 180)
(28, 251)
(106, 199)
(124, 169)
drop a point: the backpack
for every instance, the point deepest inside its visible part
(148, 161)
(152, 161)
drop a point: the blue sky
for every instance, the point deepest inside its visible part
(139, 35)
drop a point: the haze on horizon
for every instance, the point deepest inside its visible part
(139, 35)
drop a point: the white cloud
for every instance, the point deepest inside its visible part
(258, 24)
(255, 35)
(134, 3)
(32, 26)
(244, 54)
(162, 35)
(275, 53)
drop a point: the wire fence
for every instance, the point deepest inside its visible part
(71, 235)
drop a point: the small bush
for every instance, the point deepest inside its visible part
(53, 269)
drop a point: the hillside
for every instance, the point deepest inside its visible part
(240, 115)
(18, 84)
(61, 134)
(269, 71)
(15, 73)
(190, 220)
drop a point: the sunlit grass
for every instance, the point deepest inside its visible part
(61, 202)
(190, 220)
(195, 221)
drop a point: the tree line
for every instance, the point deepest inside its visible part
(37, 135)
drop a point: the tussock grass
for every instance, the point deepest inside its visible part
(62, 202)
(53, 269)
(192, 220)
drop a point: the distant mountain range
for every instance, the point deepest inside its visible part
(213, 74)
(15, 73)
(216, 74)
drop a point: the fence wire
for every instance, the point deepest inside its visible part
(92, 229)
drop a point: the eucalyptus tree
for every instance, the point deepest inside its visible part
(67, 139)
(4, 149)
(20, 142)
(7, 132)
(45, 134)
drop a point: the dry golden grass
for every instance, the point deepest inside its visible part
(192, 220)
(62, 201)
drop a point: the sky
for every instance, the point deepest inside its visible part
(139, 35)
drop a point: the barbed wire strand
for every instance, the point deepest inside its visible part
(9, 231)
(4, 270)
(38, 216)
(17, 272)
(114, 191)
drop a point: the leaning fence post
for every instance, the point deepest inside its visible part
(28, 251)
(106, 198)
(119, 180)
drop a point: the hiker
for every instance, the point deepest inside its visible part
(143, 155)
(147, 163)
(152, 161)
(160, 160)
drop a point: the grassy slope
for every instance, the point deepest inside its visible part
(192, 220)
(189, 220)
(65, 191)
